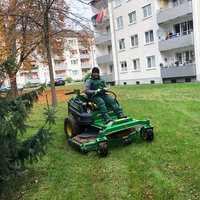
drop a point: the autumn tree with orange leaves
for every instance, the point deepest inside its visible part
(35, 25)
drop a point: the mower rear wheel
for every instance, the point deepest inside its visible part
(102, 149)
(71, 127)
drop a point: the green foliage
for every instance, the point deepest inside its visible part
(69, 79)
(87, 76)
(31, 85)
(78, 80)
(14, 151)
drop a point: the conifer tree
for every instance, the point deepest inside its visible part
(14, 113)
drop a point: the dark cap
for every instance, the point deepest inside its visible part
(95, 70)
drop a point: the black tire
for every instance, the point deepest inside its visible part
(71, 127)
(102, 149)
(150, 135)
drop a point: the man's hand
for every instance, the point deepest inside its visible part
(97, 91)
(106, 89)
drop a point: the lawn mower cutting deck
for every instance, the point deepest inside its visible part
(86, 129)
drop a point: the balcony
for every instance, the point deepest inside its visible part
(102, 38)
(180, 71)
(105, 59)
(86, 66)
(178, 9)
(34, 69)
(60, 68)
(103, 18)
(85, 56)
(33, 81)
(176, 42)
(108, 77)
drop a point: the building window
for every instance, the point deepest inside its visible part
(109, 49)
(75, 72)
(138, 82)
(183, 28)
(152, 81)
(84, 61)
(132, 17)
(57, 63)
(107, 29)
(46, 75)
(121, 44)
(136, 64)
(134, 40)
(149, 36)
(59, 73)
(123, 66)
(83, 52)
(188, 80)
(185, 57)
(118, 2)
(72, 42)
(119, 22)
(151, 62)
(147, 11)
(74, 62)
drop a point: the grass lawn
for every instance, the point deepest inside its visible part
(167, 168)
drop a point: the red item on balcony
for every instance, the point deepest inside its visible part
(99, 16)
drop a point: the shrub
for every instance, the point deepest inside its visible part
(87, 76)
(69, 79)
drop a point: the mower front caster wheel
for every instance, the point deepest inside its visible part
(148, 135)
(102, 149)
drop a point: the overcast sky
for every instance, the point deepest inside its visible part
(79, 8)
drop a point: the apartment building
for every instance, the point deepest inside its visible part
(77, 60)
(152, 41)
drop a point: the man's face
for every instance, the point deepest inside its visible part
(95, 75)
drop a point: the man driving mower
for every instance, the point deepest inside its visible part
(96, 88)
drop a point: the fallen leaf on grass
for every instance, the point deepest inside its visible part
(23, 192)
(46, 187)
(36, 181)
(178, 132)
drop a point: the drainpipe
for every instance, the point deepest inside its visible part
(113, 41)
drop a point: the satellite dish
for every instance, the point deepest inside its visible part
(159, 32)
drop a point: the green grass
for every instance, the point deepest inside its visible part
(167, 168)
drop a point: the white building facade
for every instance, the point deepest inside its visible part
(77, 60)
(152, 41)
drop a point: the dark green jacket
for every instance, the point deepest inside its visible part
(93, 84)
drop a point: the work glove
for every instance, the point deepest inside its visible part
(105, 89)
(97, 91)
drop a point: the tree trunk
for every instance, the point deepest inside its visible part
(13, 83)
(47, 46)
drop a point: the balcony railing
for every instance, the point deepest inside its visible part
(34, 80)
(105, 59)
(58, 67)
(108, 77)
(104, 37)
(97, 19)
(174, 4)
(176, 41)
(85, 56)
(178, 71)
(166, 14)
(86, 66)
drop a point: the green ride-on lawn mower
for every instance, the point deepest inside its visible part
(86, 129)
